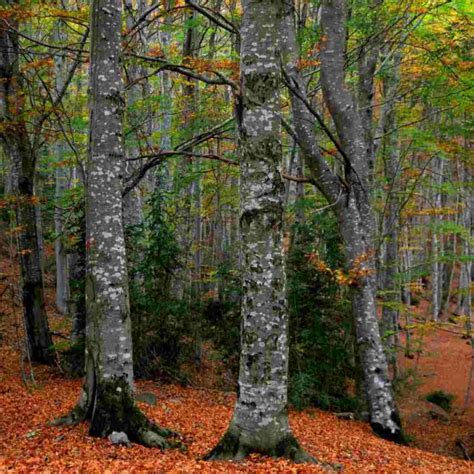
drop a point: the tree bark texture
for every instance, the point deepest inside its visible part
(349, 196)
(391, 285)
(62, 270)
(23, 158)
(107, 398)
(357, 220)
(436, 243)
(260, 420)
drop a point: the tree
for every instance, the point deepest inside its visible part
(349, 195)
(22, 152)
(107, 397)
(63, 291)
(390, 146)
(260, 420)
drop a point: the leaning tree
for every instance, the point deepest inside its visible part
(349, 194)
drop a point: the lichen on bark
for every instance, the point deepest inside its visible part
(260, 421)
(107, 399)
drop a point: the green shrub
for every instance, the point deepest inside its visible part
(322, 360)
(159, 321)
(442, 399)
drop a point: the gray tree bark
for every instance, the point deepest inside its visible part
(391, 286)
(62, 270)
(357, 222)
(260, 420)
(23, 159)
(163, 173)
(436, 244)
(61, 176)
(11, 174)
(406, 263)
(349, 197)
(132, 202)
(182, 281)
(107, 397)
(367, 62)
(466, 273)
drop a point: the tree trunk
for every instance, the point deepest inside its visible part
(260, 420)
(22, 157)
(436, 265)
(466, 277)
(77, 301)
(62, 271)
(357, 231)
(132, 202)
(182, 281)
(367, 62)
(391, 286)
(406, 264)
(349, 196)
(357, 220)
(36, 319)
(198, 257)
(107, 398)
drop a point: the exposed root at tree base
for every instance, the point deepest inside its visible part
(145, 432)
(114, 409)
(397, 436)
(76, 416)
(232, 448)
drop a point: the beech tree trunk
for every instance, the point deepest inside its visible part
(182, 279)
(349, 196)
(436, 244)
(107, 397)
(391, 281)
(76, 262)
(260, 420)
(466, 270)
(132, 202)
(357, 220)
(62, 270)
(23, 158)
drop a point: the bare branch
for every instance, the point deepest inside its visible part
(181, 69)
(216, 17)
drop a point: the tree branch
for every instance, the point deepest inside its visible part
(181, 69)
(216, 17)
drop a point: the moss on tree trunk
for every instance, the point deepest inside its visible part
(236, 445)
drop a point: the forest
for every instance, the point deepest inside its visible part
(236, 236)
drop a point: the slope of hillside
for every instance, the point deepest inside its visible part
(28, 444)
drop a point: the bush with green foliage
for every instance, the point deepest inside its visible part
(159, 321)
(442, 399)
(322, 361)
(221, 321)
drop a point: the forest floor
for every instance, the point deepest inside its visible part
(28, 444)
(444, 363)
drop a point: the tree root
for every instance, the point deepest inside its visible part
(114, 409)
(232, 448)
(397, 436)
(76, 416)
(146, 433)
